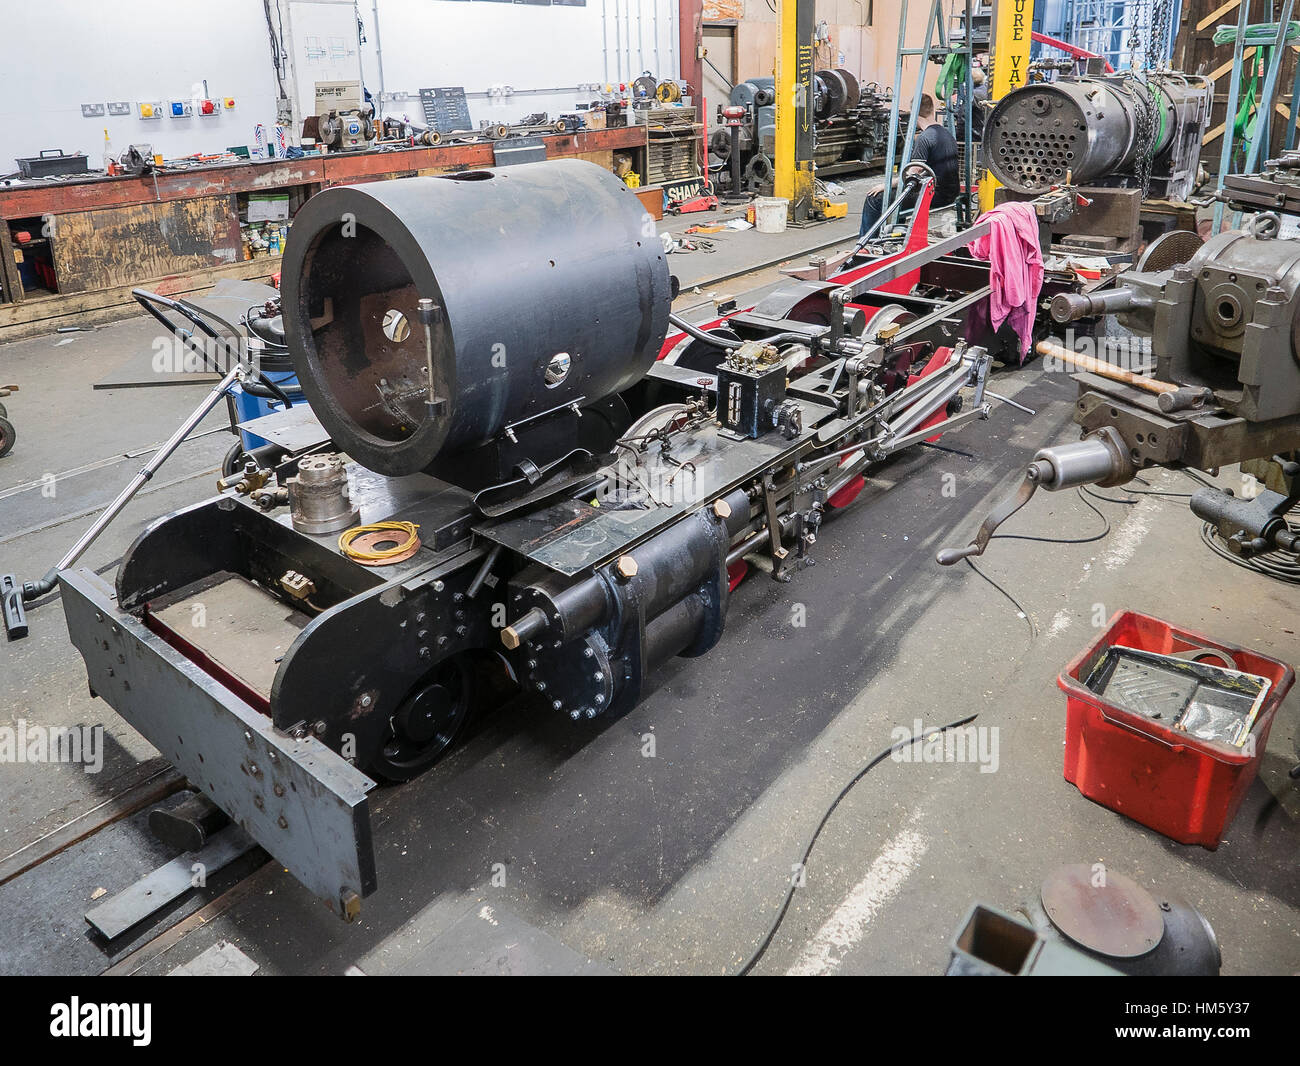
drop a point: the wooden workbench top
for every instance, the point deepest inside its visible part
(338, 168)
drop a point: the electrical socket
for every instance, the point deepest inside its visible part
(92, 110)
(119, 107)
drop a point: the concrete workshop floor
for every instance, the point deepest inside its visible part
(621, 863)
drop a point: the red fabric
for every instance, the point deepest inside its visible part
(1016, 268)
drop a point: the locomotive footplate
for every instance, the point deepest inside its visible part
(302, 802)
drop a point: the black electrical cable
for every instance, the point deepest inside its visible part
(270, 386)
(1067, 540)
(761, 950)
(1107, 499)
(1029, 619)
(277, 47)
(1275, 564)
(1197, 478)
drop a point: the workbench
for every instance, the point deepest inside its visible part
(177, 231)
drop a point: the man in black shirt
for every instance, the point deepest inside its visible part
(932, 145)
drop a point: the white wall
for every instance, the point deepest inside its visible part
(63, 53)
(482, 44)
(60, 54)
(320, 37)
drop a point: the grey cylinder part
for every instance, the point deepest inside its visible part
(319, 500)
(1234, 271)
(1084, 129)
(1084, 462)
(550, 289)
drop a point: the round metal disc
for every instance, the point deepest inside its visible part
(851, 84)
(1118, 917)
(1170, 250)
(1035, 137)
(834, 92)
(889, 315)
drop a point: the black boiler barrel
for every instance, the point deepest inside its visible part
(551, 286)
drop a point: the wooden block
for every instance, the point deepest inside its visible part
(117, 246)
(44, 315)
(1112, 213)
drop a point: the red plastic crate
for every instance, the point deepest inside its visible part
(1186, 788)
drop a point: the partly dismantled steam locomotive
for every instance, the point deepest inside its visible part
(514, 472)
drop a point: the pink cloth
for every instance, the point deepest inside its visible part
(1015, 268)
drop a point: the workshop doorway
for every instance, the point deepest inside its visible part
(719, 66)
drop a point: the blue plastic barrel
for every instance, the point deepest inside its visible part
(248, 407)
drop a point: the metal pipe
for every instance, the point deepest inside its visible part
(640, 35)
(618, 53)
(896, 97)
(968, 173)
(627, 39)
(1225, 154)
(658, 71)
(702, 335)
(674, 46)
(33, 589)
(1264, 109)
(379, 55)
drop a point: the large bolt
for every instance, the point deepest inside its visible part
(625, 567)
(722, 508)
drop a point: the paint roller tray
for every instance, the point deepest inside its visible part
(1206, 701)
(1157, 729)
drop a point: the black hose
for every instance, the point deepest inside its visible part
(731, 345)
(702, 335)
(34, 589)
(267, 390)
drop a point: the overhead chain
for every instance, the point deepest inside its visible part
(1144, 136)
(1139, 10)
(1161, 17)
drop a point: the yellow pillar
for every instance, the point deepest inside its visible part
(1012, 25)
(793, 164)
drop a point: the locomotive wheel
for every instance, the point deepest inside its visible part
(669, 415)
(7, 436)
(427, 722)
(233, 463)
